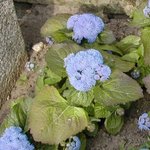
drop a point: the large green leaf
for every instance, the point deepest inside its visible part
(146, 43)
(114, 123)
(128, 42)
(18, 114)
(56, 54)
(54, 24)
(119, 89)
(52, 120)
(79, 98)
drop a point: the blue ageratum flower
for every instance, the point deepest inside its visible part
(146, 10)
(144, 122)
(86, 26)
(85, 68)
(14, 139)
(75, 144)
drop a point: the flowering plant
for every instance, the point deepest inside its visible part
(82, 83)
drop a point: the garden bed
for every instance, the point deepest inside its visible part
(31, 18)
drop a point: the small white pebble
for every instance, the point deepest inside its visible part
(38, 47)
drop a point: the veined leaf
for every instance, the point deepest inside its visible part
(119, 89)
(146, 43)
(131, 57)
(114, 123)
(128, 42)
(52, 120)
(116, 62)
(54, 24)
(56, 54)
(79, 98)
(101, 111)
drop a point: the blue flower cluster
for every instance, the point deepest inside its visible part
(85, 68)
(75, 144)
(14, 139)
(144, 122)
(146, 10)
(86, 26)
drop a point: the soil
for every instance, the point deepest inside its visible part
(31, 19)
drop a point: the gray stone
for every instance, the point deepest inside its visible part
(72, 6)
(12, 49)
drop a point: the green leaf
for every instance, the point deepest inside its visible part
(54, 24)
(51, 78)
(52, 120)
(40, 146)
(128, 42)
(101, 111)
(39, 83)
(116, 62)
(78, 98)
(145, 37)
(132, 56)
(111, 48)
(18, 114)
(119, 89)
(114, 123)
(56, 54)
(83, 141)
(139, 20)
(106, 37)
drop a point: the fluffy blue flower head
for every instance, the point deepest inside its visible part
(14, 139)
(144, 122)
(75, 144)
(146, 10)
(84, 68)
(86, 26)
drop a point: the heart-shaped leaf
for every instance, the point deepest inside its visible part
(52, 120)
(119, 89)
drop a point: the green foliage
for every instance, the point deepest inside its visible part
(106, 37)
(54, 24)
(18, 114)
(114, 123)
(129, 42)
(101, 111)
(56, 54)
(119, 89)
(145, 37)
(78, 98)
(139, 20)
(52, 120)
(50, 77)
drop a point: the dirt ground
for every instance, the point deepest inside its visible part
(31, 18)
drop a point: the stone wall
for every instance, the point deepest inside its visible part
(12, 49)
(113, 6)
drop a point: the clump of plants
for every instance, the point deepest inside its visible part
(90, 77)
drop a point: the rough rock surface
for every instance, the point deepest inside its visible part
(114, 6)
(12, 49)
